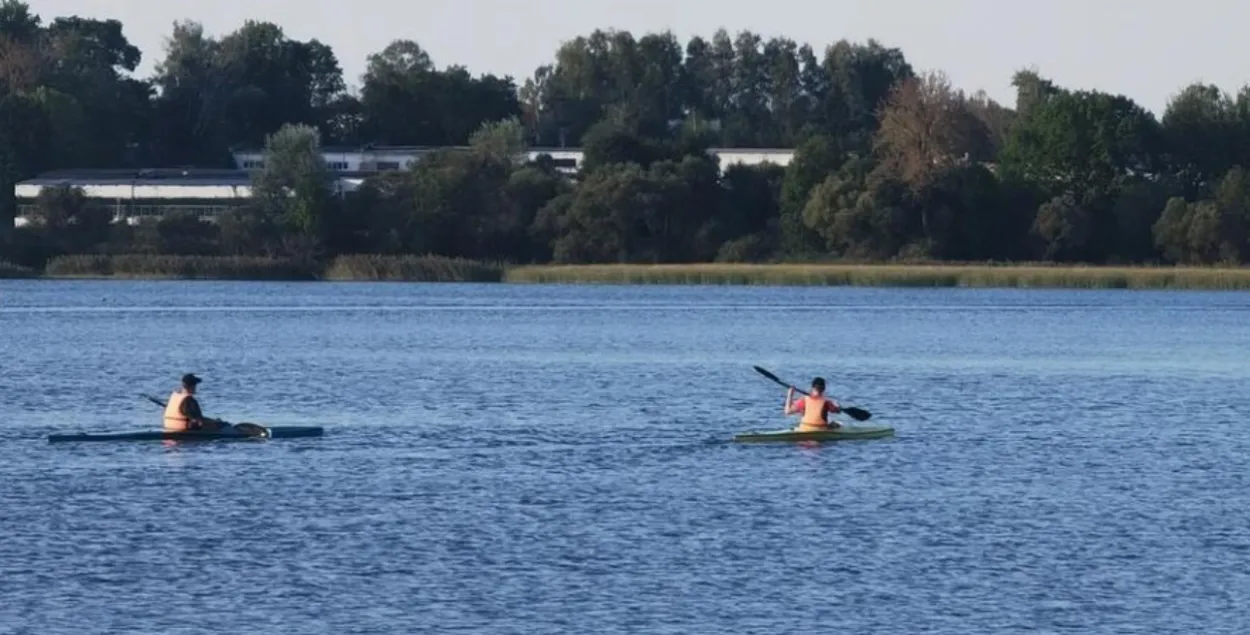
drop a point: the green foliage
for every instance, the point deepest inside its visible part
(293, 190)
(1213, 230)
(1203, 133)
(66, 222)
(503, 139)
(405, 100)
(179, 233)
(458, 206)
(1082, 141)
(813, 161)
(889, 163)
(1065, 227)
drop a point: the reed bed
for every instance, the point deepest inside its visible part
(412, 268)
(374, 267)
(148, 266)
(891, 275)
(10, 270)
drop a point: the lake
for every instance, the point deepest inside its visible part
(558, 459)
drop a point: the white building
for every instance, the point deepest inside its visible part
(133, 194)
(383, 158)
(138, 193)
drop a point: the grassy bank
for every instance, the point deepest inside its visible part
(358, 267)
(412, 269)
(155, 267)
(367, 267)
(1011, 276)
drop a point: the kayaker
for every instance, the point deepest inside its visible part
(815, 408)
(182, 411)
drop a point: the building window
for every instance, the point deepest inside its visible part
(253, 165)
(336, 165)
(388, 165)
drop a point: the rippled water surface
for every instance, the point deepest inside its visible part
(515, 459)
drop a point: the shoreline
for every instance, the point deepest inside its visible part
(365, 268)
(917, 275)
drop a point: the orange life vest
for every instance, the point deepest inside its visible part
(814, 413)
(175, 421)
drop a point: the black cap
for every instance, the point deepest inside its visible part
(190, 380)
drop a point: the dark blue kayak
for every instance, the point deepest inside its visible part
(289, 432)
(844, 433)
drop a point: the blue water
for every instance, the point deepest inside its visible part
(514, 459)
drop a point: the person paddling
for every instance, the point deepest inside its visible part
(815, 408)
(183, 414)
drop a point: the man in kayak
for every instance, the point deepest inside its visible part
(182, 412)
(815, 408)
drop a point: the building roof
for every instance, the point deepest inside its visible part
(160, 176)
(348, 149)
(174, 177)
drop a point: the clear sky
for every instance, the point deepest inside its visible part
(1144, 49)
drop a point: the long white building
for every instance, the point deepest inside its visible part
(382, 158)
(134, 194)
(208, 193)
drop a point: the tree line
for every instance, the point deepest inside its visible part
(890, 162)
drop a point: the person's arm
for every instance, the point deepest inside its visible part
(832, 408)
(190, 408)
(792, 407)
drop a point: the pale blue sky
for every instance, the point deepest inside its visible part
(1146, 50)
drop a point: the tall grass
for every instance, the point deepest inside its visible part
(10, 270)
(412, 269)
(179, 267)
(1026, 276)
(355, 267)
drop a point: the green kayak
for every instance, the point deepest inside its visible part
(290, 432)
(845, 433)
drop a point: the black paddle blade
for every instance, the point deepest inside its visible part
(769, 375)
(858, 414)
(776, 379)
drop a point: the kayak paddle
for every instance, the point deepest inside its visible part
(858, 414)
(250, 429)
